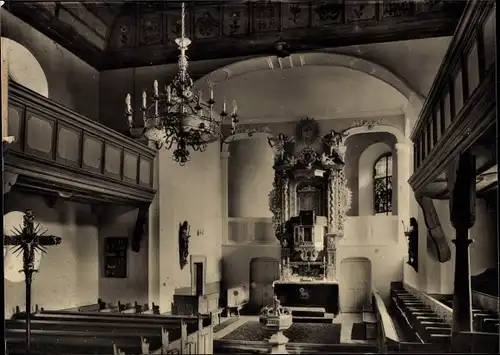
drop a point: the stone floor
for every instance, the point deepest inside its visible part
(345, 319)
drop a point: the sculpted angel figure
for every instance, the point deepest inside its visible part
(282, 145)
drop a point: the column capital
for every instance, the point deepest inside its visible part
(402, 147)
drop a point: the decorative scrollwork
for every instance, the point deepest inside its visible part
(275, 206)
(252, 130)
(368, 123)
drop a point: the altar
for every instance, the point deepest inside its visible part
(323, 294)
(309, 201)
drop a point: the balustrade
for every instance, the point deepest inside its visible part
(58, 150)
(461, 103)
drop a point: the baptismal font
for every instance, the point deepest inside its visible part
(309, 202)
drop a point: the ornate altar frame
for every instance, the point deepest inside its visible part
(291, 170)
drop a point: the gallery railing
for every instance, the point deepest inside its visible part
(461, 103)
(58, 150)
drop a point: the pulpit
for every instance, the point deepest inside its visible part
(309, 201)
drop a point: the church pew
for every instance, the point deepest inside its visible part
(93, 307)
(74, 342)
(427, 324)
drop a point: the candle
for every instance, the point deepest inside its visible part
(224, 105)
(144, 96)
(235, 108)
(168, 93)
(199, 97)
(155, 87)
(211, 93)
(128, 104)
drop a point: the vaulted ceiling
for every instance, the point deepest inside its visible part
(129, 34)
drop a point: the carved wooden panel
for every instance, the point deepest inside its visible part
(425, 6)
(328, 13)
(92, 153)
(396, 8)
(207, 22)
(266, 17)
(39, 134)
(145, 172)
(235, 20)
(473, 69)
(361, 11)
(458, 92)
(489, 39)
(68, 145)
(15, 117)
(112, 160)
(123, 34)
(150, 29)
(447, 109)
(295, 15)
(130, 161)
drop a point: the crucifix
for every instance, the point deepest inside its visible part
(26, 240)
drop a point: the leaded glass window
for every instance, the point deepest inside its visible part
(383, 184)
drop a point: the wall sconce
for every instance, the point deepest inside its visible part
(200, 232)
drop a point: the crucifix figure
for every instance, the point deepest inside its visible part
(27, 240)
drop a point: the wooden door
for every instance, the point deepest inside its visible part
(263, 272)
(355, 284)
(199, 282)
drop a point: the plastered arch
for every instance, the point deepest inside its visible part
(240, 136)
(400, 136)
(23, 67)
(366, 163)
(273, 63)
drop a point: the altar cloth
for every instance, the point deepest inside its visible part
(309, 294)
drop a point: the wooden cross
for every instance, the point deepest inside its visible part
(26, 241)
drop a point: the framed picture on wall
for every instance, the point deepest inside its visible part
(115, 257)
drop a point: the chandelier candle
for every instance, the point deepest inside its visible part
(177, 116)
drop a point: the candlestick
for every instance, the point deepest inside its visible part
(156, 108)
(144, 97)
(199, 97)
(155, 87)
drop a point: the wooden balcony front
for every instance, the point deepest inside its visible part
(59, 152)
(460, 110)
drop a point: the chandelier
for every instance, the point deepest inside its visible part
(177, 116)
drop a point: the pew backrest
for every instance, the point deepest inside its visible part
(486, 302)
(387, 328)
(442, 310)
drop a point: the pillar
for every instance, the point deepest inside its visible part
(403, 157)
(250, 178)
(462, 213)
(224, 160)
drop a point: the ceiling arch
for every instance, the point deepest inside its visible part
(308, 77)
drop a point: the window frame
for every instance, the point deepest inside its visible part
(387, 194)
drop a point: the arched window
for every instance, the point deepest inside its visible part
(382, 177)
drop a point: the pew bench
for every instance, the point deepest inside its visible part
(370, 323)
(52, 329)
(75, 342)
(429, 327)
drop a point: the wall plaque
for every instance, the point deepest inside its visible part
(115, 257)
